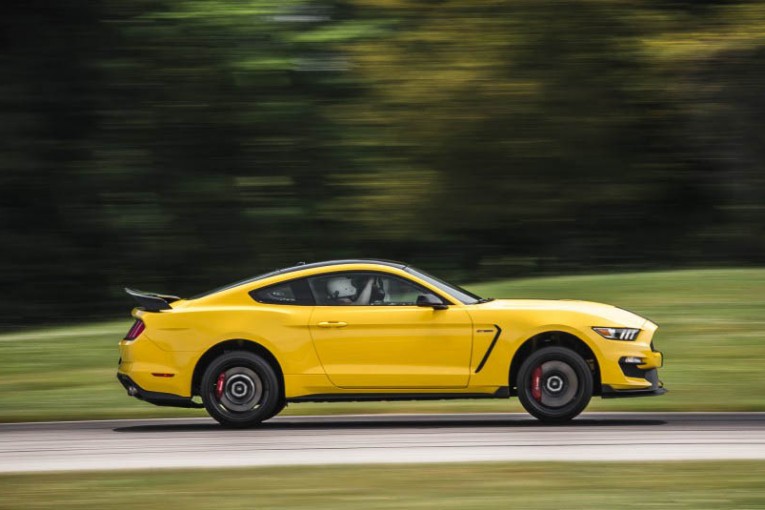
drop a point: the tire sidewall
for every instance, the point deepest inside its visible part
(271, 390)
(570, 410)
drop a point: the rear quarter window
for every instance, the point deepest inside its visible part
(294, 292)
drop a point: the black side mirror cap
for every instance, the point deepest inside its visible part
(431, 301)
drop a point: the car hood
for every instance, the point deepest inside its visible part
(611, 315)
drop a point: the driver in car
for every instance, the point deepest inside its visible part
(342, 291)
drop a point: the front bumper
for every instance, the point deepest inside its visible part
(622, 377)
(650, 375)
(607, 392)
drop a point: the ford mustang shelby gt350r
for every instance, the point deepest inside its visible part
(350, 330)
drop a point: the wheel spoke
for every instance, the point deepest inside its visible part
(559, 384)
(241, 390)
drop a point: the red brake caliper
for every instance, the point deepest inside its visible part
(219, 385)
(536, 388)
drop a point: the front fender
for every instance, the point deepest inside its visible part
(588, 337)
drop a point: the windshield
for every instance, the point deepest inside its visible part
(464, 296)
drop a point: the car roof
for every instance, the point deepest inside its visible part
(300, 266)
(381, 262)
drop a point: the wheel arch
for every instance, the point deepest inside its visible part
(555, 337)
(236, 344)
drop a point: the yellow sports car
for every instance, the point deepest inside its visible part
(350, 330)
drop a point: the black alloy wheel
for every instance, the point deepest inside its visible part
(240, 389)
(555, 384)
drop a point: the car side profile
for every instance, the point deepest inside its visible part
(352, 330)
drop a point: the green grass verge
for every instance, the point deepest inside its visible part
(675, 485)
(712, 333)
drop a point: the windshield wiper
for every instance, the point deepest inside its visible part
(485, 300)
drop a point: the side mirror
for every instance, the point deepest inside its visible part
(431, 301)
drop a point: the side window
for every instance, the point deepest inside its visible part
(366, 289)
(402, 292)
(295, 292)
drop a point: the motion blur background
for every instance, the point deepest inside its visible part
(175, 145)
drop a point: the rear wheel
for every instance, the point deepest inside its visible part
(554, 384)
(240, 389)
(278, 409)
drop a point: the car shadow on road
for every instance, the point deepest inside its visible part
(382, 422)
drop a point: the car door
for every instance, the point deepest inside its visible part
(378, 338)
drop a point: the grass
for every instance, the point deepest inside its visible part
(712, 333)
(668, 485)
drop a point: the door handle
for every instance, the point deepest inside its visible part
(332, 324)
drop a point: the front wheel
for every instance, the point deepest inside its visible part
(554, 384)
(240, 389)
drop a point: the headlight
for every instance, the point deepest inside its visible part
(617, 333)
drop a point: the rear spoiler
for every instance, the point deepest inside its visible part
(151, 301)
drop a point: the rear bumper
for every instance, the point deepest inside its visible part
(156, 370)
(153, 397)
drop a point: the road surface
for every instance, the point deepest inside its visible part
(201, 443)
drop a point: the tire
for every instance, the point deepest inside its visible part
(564, 384)
(240, 389)
(278, 409)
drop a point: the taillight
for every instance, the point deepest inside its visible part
(135, 330)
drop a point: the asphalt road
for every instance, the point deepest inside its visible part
(201, 443)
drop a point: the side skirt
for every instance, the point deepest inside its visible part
(503, 392)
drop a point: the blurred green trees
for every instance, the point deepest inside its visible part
(177, 145)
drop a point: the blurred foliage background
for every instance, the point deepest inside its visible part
(175, 145)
